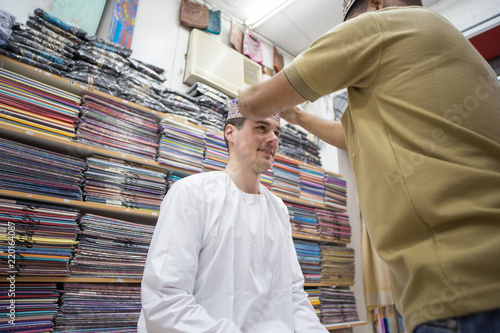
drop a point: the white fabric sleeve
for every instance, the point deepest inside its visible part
(168, 303)
(305, 318)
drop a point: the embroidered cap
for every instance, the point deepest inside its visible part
(347, 5)
(234, 112)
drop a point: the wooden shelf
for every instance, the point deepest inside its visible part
(326, 285)
(150, 216)
(318, 239)
(76, 279)
(334, 327)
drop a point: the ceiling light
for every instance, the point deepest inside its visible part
(266, 13)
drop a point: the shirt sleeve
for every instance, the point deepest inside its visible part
(168, 303)
(348, 55)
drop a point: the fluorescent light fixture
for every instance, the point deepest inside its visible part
(266, 13)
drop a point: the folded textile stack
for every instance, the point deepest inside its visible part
(337, 265)
(181, 145)
(45, 42)
(90, 307)
(213, 105)
(294, 143)
(33, 106)
(312, 186)
(119, 183)
(113, 126)
(335, 191)
(111, 248)
(37, 239)
(266, 179)
(216, 155)
(30, 169)
(286, 177)
(313, 297)
(29, 307)
(337, 306)
(309, 256)
(333, 225)
(303, 220)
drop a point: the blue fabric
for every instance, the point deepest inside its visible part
(214, 22)
(483, 322)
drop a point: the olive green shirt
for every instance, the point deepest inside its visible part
(423, 136)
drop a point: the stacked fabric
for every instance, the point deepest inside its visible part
(337, 306)
(309, 256)
(294, 143)
(216, 155)
(266, 179)
(333, 225)
(116, 182)
(312, 186)
(313, 295)
(27, 307)
(45, 42)
(337, 265)
(36, 239)
(335, 191)
(116, 127)
(286, 177)
(25, 168)
(181, 146)
(111, 248)
(180, 104)
(303, 220)
(88, 307)
(213, 105)
(34, 106)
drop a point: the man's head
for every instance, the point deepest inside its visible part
(353, 8)
(251, 144)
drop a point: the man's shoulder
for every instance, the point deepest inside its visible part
(203, 181)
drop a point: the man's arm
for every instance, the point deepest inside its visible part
(330, 131)
(268, 98)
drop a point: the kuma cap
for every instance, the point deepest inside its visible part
(347, 5)
(234, 112)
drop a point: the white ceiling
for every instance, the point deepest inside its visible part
(295, 26)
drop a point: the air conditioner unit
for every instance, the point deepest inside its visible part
(218, 65)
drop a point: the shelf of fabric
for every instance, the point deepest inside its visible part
(344, 325)
(57, 144)
(144, 216)
(76, 279)
(62, 83)
(317, 239)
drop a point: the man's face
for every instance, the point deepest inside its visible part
(256, 143)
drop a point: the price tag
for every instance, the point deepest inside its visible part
(155, 213)
(29, 132)
(48, 74)
(125, 102)
(119, 280)
(66, 200)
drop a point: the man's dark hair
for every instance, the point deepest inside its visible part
(360, 6)
(236, 122)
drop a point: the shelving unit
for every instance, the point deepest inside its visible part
(66, 146)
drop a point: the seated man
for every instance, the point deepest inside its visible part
(222, 257)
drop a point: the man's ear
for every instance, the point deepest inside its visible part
(229, 133)
(377, 4)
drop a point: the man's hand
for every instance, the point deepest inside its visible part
(291, 115)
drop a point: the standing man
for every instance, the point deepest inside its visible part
(222, 257)
(423, 134)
